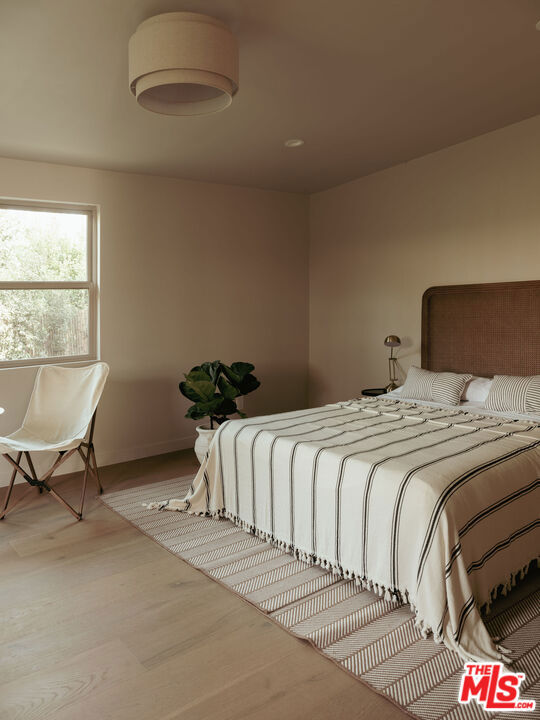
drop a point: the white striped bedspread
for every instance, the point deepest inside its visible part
(433, 506)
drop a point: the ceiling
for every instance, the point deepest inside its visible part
(366, 83)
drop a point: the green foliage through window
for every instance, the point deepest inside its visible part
(43, 247)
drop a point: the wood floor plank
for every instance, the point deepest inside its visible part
(47, 692)
(12, 565)
(74, 532)
(89, 614)
(195, 671)
(41, 589)
(294, 687)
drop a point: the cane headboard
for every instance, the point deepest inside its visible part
(489, 329)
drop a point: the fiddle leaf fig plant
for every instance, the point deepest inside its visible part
(213, 388)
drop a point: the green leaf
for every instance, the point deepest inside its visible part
(188, 391)
(240, 377)
(197, 375)
(226, 389)
(198, 391)
(248, 384)
(226, 407)
(213, 369)
(196, 413)
(204, 409)
(231, 376)
(241, 368)
(237, 371)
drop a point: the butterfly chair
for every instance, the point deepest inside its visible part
(60, 415)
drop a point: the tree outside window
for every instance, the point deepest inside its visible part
(47, 290)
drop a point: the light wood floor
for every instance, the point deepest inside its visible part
(99, 622)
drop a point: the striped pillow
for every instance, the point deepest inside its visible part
(510, 393)
(443, 387)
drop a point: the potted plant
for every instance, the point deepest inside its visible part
(213, 387)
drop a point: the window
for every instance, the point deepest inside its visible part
(48, 292)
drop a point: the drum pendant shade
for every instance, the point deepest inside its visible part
(183, 63)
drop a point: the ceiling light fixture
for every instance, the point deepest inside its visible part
(183, 63)
(293, 142)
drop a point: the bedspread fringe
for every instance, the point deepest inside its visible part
(389, 594)
(503, 588)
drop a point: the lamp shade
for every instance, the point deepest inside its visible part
(392, 341)
(183, 63)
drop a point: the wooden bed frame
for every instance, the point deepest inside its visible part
(489, 329)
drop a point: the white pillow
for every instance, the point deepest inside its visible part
(477, 389)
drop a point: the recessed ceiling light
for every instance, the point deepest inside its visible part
(294, 142)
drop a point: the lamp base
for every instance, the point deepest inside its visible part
(391, 386)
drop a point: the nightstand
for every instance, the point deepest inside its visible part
(371, 392)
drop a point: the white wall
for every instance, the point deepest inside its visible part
(189, 272)
(469, 213)
(196, 271)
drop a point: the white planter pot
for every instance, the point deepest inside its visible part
(202, 443)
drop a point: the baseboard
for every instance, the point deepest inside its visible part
(105, 456)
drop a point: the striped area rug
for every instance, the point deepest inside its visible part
(374, 640)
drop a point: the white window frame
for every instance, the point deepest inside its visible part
(90, 284)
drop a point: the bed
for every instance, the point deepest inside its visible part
(425, 503)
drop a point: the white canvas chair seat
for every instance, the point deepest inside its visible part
(21, 440)
(61, 412)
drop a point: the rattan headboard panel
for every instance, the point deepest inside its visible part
(490, 329)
